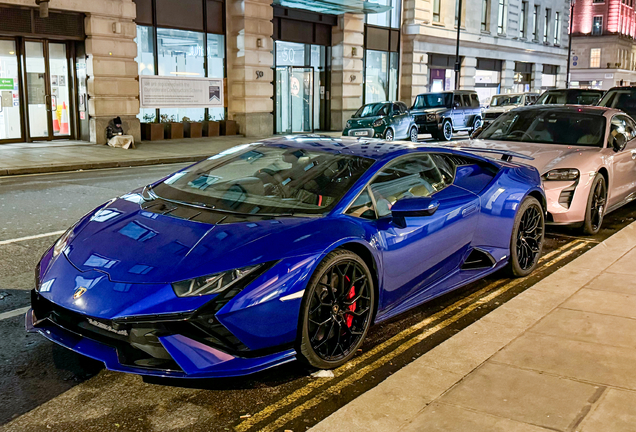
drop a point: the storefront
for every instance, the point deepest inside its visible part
(184, 39)
(549, 77)
(302, 65)
(441, 72)
(487, 79)
(381, 64)
(522, 77)
(41, 98)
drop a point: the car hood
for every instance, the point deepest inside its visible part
(437, 110)
(135, 245)
(546, 156)
(501, 109)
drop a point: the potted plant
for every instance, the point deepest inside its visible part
(172, 129)
(211, 128)
(150, 129)
(192, 129)
(229, 127)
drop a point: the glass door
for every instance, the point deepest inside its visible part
(48, 84)
(294, 99)
(10, 118)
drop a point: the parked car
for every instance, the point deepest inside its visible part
(570, 97)
(502, 103)
(622, 98)
(285, 249)
(388, 120)
(442, 114)
(586, 156)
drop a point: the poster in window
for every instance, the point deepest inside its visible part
(54, 80)
(180, 92)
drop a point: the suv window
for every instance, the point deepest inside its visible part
(410, 176)
(457, 100)
(474, 101)
(623, 99)
(587, 98)
(466, 100)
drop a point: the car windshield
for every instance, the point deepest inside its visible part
(503, 100)
(433, 100)
(262, 180)
(623, 99)
(572, 97)
(372, 110)
(535, 126)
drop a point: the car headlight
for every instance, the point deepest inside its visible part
(378, 122)
(62, 242)
(431, 117)
(212, 284)
(564, 174)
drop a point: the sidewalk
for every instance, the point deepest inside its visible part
(43, 157)
(558, 357)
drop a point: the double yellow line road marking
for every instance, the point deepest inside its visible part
(473, 301)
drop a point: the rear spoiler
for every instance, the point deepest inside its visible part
(506, 155)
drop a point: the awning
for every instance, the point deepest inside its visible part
(335, 7)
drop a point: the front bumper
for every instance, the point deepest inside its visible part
(166, 355)
(368, 132)
(567, 201)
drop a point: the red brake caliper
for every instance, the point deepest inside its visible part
(351, 307)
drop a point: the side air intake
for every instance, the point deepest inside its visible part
(478, 259)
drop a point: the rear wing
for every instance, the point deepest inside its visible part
(506, 155)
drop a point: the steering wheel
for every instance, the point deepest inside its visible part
(520, 134)
(275, 182)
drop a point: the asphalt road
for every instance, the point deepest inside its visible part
(67, 392)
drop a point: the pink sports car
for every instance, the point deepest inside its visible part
(586, 156)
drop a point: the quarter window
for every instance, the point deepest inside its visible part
(363, 206)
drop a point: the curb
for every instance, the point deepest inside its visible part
(99, 165)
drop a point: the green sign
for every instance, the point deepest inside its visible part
(6, 83)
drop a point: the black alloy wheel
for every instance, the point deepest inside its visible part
(388, 135)
(337, 310)
(414, 134)
(596, 206)
(527, 238)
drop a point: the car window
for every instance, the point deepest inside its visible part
(474, 101)
(622, 124)
(363, 206)
(403, 107)
(396, 109)
(466, 100)
(587, 98)
(411, 176)
(623, 99)
(457, 100)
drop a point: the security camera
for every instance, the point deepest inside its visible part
(44, 8)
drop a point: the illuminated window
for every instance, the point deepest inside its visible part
(595, 58)
(597, 26)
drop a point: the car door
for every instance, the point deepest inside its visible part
(624, 166)
(458, 111)
(428, 248)
(399, 121)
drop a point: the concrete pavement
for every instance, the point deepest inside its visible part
(558, 357)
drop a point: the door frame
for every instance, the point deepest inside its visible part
(289, 70)
(70, 54)
(21, 91)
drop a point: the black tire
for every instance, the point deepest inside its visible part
(526, 242)
(388, 135)
(596, 206)
(413, 134)
(328, 302)
(446, 134)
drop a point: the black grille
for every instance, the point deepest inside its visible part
(565, 198)
(14, 20)
(60, 24)
(491, 116)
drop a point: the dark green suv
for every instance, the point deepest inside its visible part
(388, 120)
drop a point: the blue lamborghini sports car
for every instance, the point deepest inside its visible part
(289, 248)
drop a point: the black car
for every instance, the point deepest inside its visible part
(570, 97)
(444, 113)
(622, 98)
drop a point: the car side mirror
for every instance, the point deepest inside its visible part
(413, 207)
(476, 132)
(619, 142)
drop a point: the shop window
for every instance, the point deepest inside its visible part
(216, 67)
(390, 18)
(145, 50)
(376, 86)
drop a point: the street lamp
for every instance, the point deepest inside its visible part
(567, 74)
(457, 65)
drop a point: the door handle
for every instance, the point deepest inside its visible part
(633, 154)
(47, 102)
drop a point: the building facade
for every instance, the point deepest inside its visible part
(603, 44)
(287, 67)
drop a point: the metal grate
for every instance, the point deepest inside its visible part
(15, 20)
(60, 24)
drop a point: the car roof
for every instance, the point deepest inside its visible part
(587, 109)
(370, 148)
(573, 90)
(450, 92)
